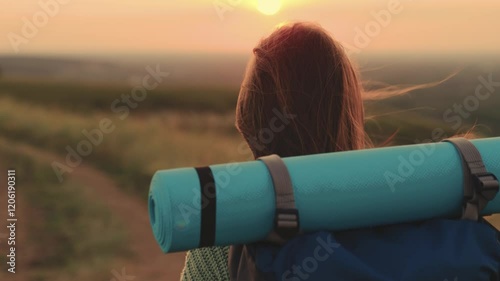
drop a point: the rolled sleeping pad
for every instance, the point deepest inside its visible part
(333, 191)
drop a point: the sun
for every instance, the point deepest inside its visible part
(269, 7)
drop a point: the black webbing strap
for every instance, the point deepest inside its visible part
(480, 186)
(208, 207)
(286, 219)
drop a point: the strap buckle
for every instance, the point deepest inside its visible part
(286, 222)
(486, 185)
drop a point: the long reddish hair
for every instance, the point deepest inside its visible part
(301, 73)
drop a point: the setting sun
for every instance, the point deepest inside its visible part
(269, 7)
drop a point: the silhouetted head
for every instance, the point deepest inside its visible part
(300, 95)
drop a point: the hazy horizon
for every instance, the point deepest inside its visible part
(110, 27)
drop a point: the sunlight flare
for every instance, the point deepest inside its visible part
(269, 7)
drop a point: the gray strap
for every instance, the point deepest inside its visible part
(286, 216)
(480, 186)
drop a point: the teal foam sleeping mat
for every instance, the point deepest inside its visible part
(332, 191)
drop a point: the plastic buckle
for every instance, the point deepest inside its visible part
(486, 184)
(286, 222)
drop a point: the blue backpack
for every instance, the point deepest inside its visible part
(466, 249)
(452, 250)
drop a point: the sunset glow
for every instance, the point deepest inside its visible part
(269, 7)
(200, 26)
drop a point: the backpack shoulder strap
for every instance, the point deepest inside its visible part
(480, 186)
(286, 218)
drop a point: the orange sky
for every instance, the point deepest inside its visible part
(165, 26)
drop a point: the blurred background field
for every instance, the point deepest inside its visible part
(69, 75)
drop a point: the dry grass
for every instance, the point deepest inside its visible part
(138, 146)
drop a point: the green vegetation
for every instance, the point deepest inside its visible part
(86, 97)
(64, 229)
(136, 148)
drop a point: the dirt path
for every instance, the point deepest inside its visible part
(148, 262)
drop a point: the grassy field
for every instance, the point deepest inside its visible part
(61, 229)
(90, 97)
(136, 148)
